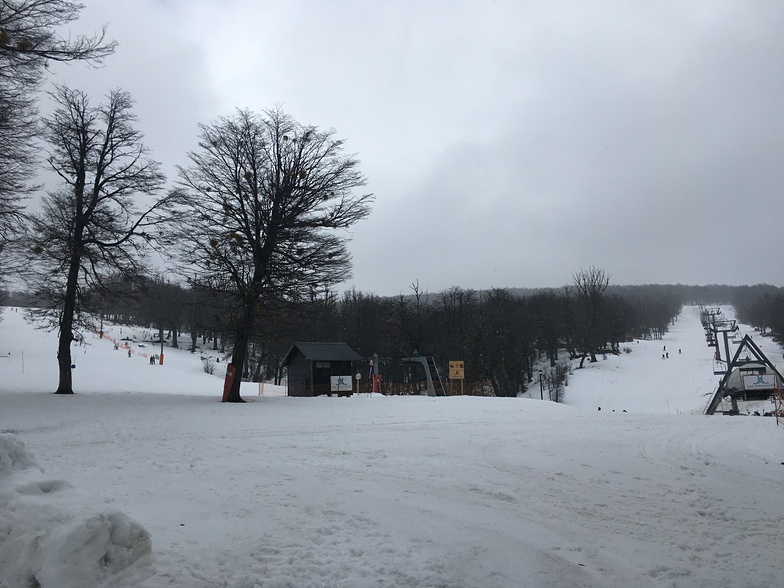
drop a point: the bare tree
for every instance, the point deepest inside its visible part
(362, 317)
(28, 41)
(547, 311)
(17, 129)
(589, 286)
(91, 229)
(29, 38)
(266, 196)
(556, 379)
(411, 321)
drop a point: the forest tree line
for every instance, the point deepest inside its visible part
(763, 308)
(504, 336)
(500, 334)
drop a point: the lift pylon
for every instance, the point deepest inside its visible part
(722, 391)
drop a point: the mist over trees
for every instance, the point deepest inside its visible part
(763, 308)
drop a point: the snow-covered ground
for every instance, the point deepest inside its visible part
(143, 478)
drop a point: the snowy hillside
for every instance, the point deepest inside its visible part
(643, 381)
(144, 479)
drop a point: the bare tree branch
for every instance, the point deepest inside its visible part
(92, 228)
(266, 197)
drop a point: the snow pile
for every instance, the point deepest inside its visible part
(50, 537)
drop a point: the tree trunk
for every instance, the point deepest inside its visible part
(65, 385)
(238, 360)
(257, 370)
(240, 351)
(494, 384)
(278, 375)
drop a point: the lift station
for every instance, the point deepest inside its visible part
(748, 374)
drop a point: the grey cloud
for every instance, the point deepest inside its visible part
(508, 143)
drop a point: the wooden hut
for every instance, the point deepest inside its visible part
(321, 368)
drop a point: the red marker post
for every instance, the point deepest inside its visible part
(231, 372)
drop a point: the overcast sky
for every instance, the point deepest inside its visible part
(508, 143)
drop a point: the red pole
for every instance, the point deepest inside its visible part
(230, 375)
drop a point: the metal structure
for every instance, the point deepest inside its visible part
(732, 385)
(435, 386)
(714, 322)
(778, 404)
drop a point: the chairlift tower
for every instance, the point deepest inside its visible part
(724, 327)
(435, 386)
(707, 314)
(707, 318)
(754, 355)
(714, 322)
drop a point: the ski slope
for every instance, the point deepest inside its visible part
(143, 478)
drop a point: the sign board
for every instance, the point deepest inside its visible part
(456, 370)
(759, 382)
(341, 383)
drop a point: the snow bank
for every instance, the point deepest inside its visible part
(50, 535)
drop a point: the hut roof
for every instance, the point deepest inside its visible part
(322, 352)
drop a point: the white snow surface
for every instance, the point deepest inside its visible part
(144, 478)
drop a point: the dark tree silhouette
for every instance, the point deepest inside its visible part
(589, 287)
(90, 231)
(266, 196)
(28, 41)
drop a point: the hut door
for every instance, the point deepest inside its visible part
(322, 370)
